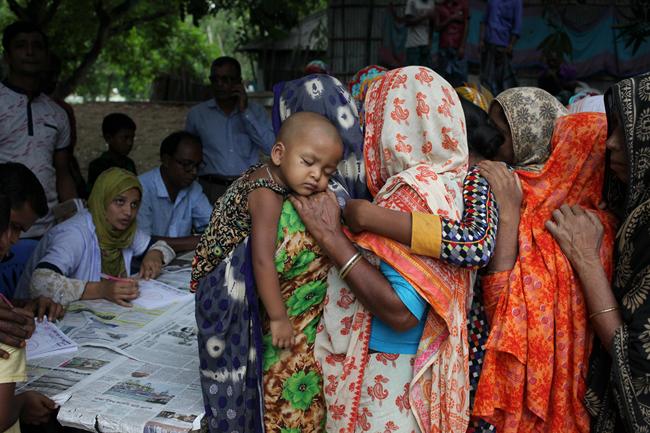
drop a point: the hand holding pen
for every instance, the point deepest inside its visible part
(119, 290)
(16, 325)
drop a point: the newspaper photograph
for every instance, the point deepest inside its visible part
(137, 397)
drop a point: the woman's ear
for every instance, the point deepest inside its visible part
(277, 153)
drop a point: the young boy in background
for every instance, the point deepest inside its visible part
(119, 132)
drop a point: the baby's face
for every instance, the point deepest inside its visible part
(308, 164)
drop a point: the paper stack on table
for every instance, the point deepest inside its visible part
(48, 340)
(154, 294)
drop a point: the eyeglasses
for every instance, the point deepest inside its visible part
(188, 165)
(225, 79)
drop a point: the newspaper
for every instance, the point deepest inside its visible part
(136, 370)
(59, 375)
(136, 397)
(107, 324)
(156, 294)
(172, 343)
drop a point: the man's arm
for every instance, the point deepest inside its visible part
(189, 123)
(145, 216)
(181, 244)
(65, 186)
(201, 209)
(516, 26)
(259, 128)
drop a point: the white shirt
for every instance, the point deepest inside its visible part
(73, 248)
(30, 133)
(419, 34)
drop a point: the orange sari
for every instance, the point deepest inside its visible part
(535, 368)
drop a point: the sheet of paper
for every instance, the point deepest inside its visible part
(154, 294)
(48, 340)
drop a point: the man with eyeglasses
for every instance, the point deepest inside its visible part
(173, 206)
(232, 129)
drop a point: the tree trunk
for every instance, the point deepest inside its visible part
(67, 86)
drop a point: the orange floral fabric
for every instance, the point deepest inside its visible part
(492, 286)
(535, 368)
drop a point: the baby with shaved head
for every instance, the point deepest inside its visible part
(304, 156)
(306, 153)
(307, 150)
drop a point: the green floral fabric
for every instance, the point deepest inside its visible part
(293, 398)
(301, 388)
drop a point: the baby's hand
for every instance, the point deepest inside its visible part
(282, 333)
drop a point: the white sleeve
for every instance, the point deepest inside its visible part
(65, 248)
(167, 251)
(140, 243)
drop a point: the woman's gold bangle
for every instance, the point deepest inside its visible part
(347, 267)
(606, 310)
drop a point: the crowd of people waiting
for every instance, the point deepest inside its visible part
(408, 257)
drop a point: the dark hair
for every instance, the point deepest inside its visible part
(5, 213)
(170, 144)
(482, 137)
(14, 29)
(226, 60)
(55, 64)
(115, 122)
(22, 186)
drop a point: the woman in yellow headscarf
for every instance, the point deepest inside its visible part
(89, 256)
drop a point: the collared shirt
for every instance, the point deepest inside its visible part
(158, 216)
(30, 132)
(502, 20)
(419, 34)
(231, 143)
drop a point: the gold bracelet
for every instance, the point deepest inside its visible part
(606, 310)
(345, 270)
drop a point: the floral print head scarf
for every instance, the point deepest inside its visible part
(531, 115)
(629, 100)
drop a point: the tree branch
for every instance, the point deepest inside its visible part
(49, 14)
(128, 25)
(20, 12)
(35, 11)
(122, 8)
(104, 21)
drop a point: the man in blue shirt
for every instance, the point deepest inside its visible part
(173, 204)
(500, 30)
(232, 129)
